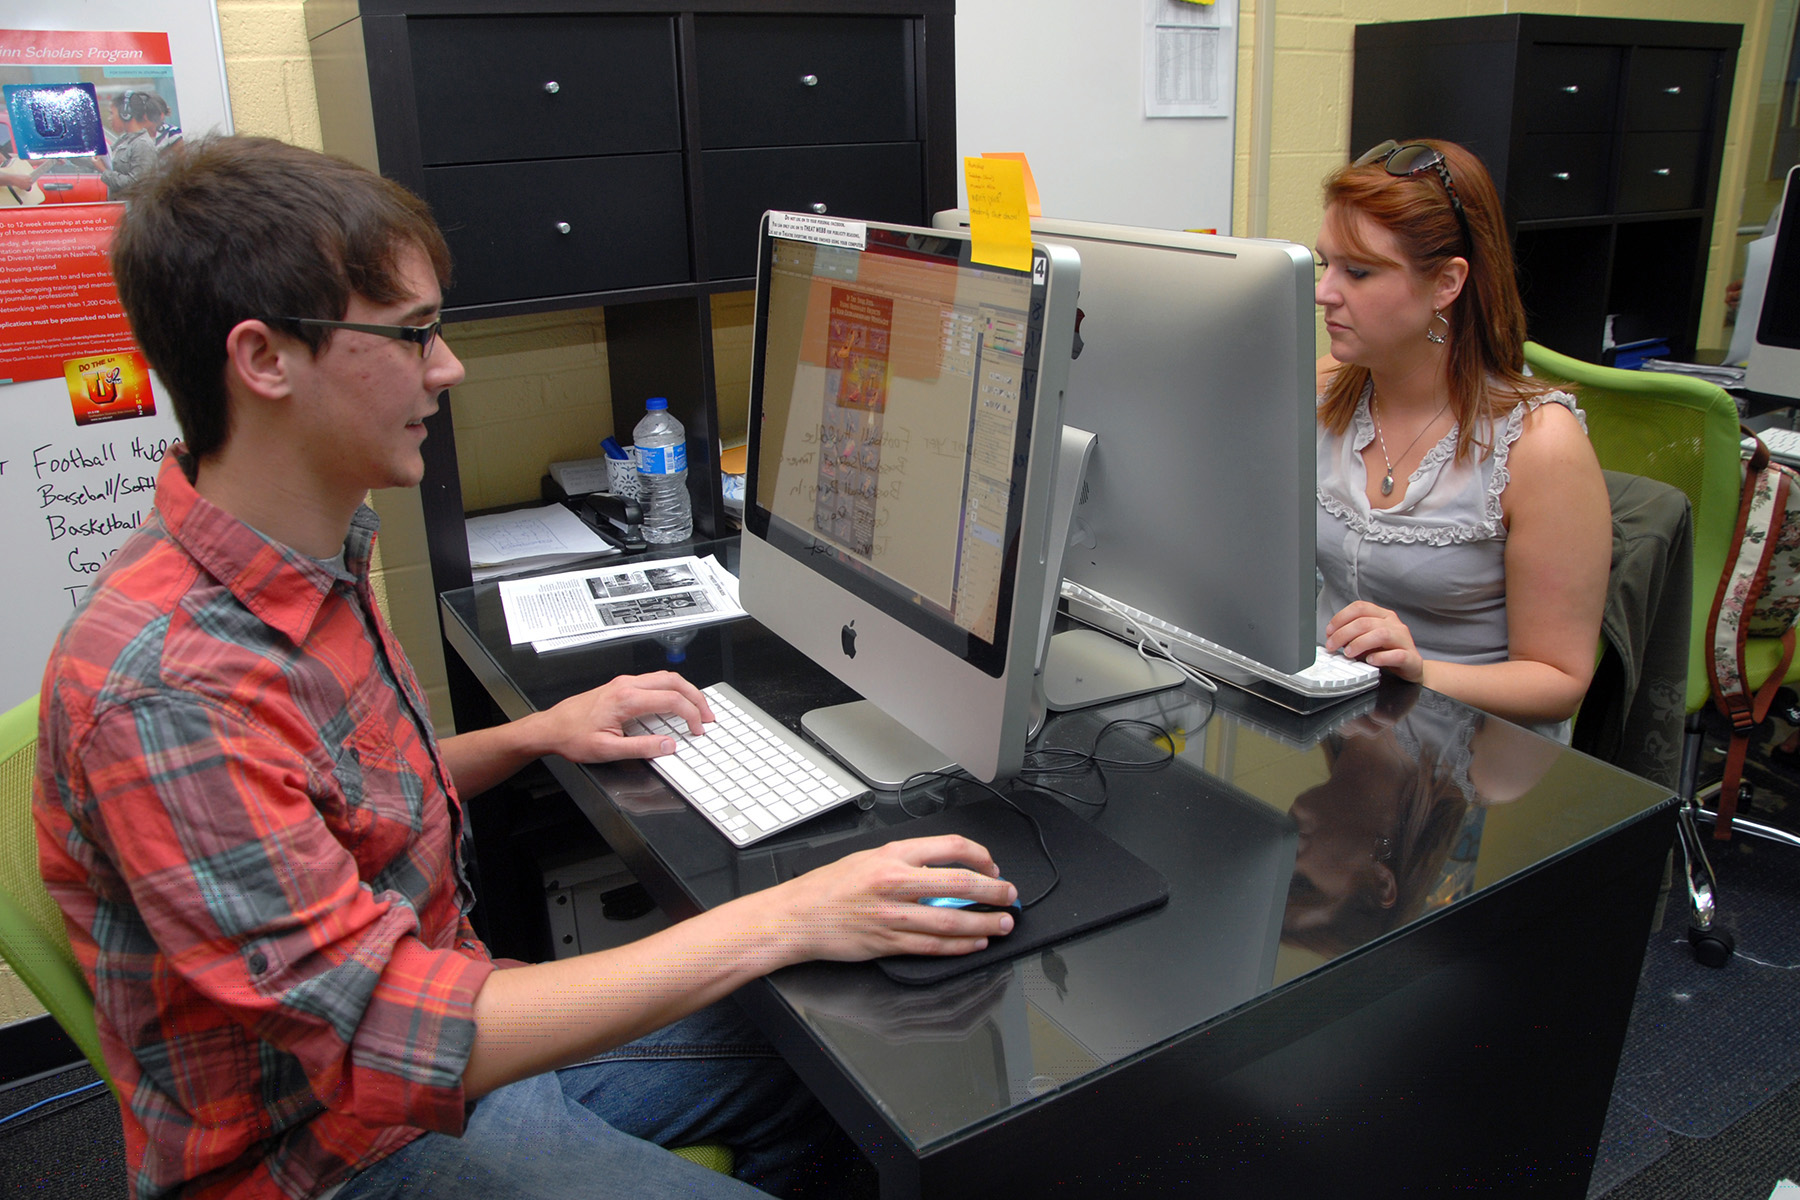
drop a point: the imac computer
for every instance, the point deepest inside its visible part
(1195, 372)
(1774, 366)
(905, 415)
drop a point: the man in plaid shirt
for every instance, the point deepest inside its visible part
(254, 833)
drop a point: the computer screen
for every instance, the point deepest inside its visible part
(1196, 373)
(1774, 365)
(905, 408)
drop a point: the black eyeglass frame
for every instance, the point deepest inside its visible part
(422, 336)
(1428, 158)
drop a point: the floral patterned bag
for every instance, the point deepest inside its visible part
(1758, 597)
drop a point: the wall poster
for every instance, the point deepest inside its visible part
(92, 94)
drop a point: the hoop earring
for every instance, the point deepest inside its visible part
(1437, 339)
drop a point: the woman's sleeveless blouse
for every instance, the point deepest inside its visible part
(1438, 558)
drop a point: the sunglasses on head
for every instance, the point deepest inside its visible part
(1412, 159)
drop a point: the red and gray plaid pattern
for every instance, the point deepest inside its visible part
(242, 811)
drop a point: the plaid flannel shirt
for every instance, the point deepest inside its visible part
(243, 813)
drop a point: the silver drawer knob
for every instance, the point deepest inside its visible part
(810, 80)
(818, 206)
(553, 87)
(562, 227)
(1572, 89)
(1662, 170)
(1562, 175)
(1673, 91)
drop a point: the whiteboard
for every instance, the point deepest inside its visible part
(51, 542)
(1062, 81)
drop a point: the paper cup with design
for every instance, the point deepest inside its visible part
(622, 475)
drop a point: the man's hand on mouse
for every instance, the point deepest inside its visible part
(866, 905)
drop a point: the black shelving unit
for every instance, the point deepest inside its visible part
(618, 153)
(1604, 137)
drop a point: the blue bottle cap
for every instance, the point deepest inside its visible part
(656, 402)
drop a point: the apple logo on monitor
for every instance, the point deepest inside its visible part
(849, 637)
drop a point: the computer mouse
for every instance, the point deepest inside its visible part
(968, 905)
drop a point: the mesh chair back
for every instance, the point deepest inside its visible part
(1680, 430)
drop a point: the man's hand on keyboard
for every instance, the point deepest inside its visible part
(589, 727)
(866, 905)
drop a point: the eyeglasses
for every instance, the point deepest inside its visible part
(1411, 159)
(422, 336)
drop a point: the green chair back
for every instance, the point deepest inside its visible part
(1682, 431)
(33, 940)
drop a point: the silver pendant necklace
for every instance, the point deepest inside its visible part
(1387, 481)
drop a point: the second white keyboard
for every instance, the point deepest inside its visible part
(1783, 444)
(748, 774)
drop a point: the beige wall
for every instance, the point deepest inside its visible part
(537, 387)
(1310, 125)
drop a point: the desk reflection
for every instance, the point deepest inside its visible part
(1395, 829)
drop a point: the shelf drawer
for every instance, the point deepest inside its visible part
(498, 89)
(1569, 89)
(803, 81)
(861, 183)
(1659, 172)
(1560, 175)
(1670, 89)
(626, 216)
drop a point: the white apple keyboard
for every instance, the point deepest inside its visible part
(1331, 676)
(748, 774)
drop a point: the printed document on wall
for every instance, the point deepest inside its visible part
(1190, 58)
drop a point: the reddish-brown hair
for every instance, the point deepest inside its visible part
(1487, 320)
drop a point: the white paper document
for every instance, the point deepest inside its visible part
(576, 608)
(1190, 58)
(530, 538)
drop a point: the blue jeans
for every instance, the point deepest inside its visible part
(597, 1130)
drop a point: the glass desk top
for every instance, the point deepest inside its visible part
(1289, 843)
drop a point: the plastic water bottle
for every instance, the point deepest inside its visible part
(662, 473)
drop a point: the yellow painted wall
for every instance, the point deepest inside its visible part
(1310, 125)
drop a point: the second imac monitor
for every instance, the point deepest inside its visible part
(1774, 366)
(905, 411)
(1196, 371)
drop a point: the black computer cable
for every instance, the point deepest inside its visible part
(1072, 761)
(1051, 761)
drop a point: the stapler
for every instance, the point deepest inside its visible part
(619, 519)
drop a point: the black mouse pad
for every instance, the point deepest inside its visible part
(1101, 880)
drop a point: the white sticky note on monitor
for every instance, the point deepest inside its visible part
(826, 231)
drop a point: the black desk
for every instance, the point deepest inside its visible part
(1202, 1048)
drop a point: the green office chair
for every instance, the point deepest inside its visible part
(1683, 431)
(33, 940)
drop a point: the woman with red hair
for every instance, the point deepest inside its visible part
(1464, 533)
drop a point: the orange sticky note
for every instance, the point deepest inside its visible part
(998, 223)
(1032, 204)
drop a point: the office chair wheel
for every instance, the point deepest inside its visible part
(1712, 947)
